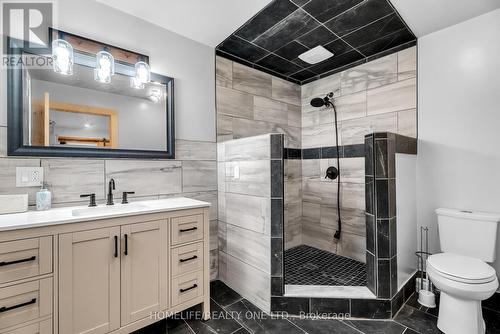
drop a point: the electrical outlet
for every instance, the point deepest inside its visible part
(29, 176)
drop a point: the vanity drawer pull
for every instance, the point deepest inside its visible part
(190, 288)
(5, 308)
(188, 229)
(194, 257)
(126, 245)
(6, 263)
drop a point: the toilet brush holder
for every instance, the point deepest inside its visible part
(427, 298)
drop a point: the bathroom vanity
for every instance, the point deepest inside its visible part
(103, 269)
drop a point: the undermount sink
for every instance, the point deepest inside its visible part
(108, 209)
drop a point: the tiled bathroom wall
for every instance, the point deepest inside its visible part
(250, 187)
(377, 96)
(193, 174)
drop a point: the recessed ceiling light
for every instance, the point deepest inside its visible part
(316, 55)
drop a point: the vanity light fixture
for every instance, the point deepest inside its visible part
(105, 67)
(62, 56)
(155, 95)
(142, 75)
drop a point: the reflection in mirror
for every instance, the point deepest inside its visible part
(78, 111)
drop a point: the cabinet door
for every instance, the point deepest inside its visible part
(89, 281)
(144, 270)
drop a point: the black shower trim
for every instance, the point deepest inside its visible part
(328, 152)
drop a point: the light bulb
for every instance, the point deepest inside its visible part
(105, 67)
(62, 57)
(142, 72)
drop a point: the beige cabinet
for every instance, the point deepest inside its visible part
(104, 275)
(143, 270)
(89, 281)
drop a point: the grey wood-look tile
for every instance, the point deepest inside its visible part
(195, 150)
(251, 80)
(243, 128)
(292, 211)
(294, 115)
(398, 96)
(205, 196)
(351, 106)
(285, 91)
(353, 195)
(293, 233)
(234, 103)
(8, 177)
(221, 176)
(324, 164)
(145, 177)
(352, 246)
(223, 266)
(318, 136)
(249, 177)
(223, 72)
(221, 152)
(329, 216)
(250, 282)
(67, 179)
(293, 137)
(311, 168)
(311, 211)
(407, 63)
(214, 235)
(379, 72)
(199, 176)
(293, 169)
(316, 191)
(407, 123)
(320, 88)
(293, 191)
(352, 170)
(224, 127)
(221, 206)
(354, 131)
(312, 116)
(318, 236)
(3, 141)
(240, 241)
(250, 212)
(214, 264)
(249, 148)
(353, 221)
(266, 109)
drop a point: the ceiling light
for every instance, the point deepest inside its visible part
(62, 57)
(105, 67)
(316, 55)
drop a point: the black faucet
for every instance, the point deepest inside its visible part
(111, 187)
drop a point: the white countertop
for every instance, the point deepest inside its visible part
(65, 215)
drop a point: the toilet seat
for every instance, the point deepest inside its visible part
(460, 268)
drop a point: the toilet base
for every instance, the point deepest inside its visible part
(459, 316)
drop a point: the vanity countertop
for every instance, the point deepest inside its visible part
(66, 215)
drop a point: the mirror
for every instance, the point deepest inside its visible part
(76, 115)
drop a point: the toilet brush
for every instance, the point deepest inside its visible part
(426, 296)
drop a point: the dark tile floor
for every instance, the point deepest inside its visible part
(232, 314)
(305, 265)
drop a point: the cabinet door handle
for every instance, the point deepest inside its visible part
(190, 288)
(188, 229)
(9, 308)
(126, 245)
(189, 259)
(116, 246)
(6, 263)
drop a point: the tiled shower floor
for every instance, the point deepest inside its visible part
(305, 265)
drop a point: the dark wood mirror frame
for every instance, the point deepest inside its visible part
(15, 141)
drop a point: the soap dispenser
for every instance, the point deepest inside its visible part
(43, 199)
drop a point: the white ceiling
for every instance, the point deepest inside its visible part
(206, 21)
(427, 16)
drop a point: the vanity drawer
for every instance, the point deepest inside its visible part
(187, 287)
(186, 229)
(24, 302)
(25, 258)
(42, 327)
(186, 259)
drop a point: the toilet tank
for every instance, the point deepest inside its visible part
(470, 233)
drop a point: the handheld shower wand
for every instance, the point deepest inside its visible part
(332, 172)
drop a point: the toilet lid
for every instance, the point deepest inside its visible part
(463, 268)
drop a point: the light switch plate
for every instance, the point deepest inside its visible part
(29, 176)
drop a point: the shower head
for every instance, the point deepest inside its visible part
(318, 102)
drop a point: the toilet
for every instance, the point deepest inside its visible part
(468, 242)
